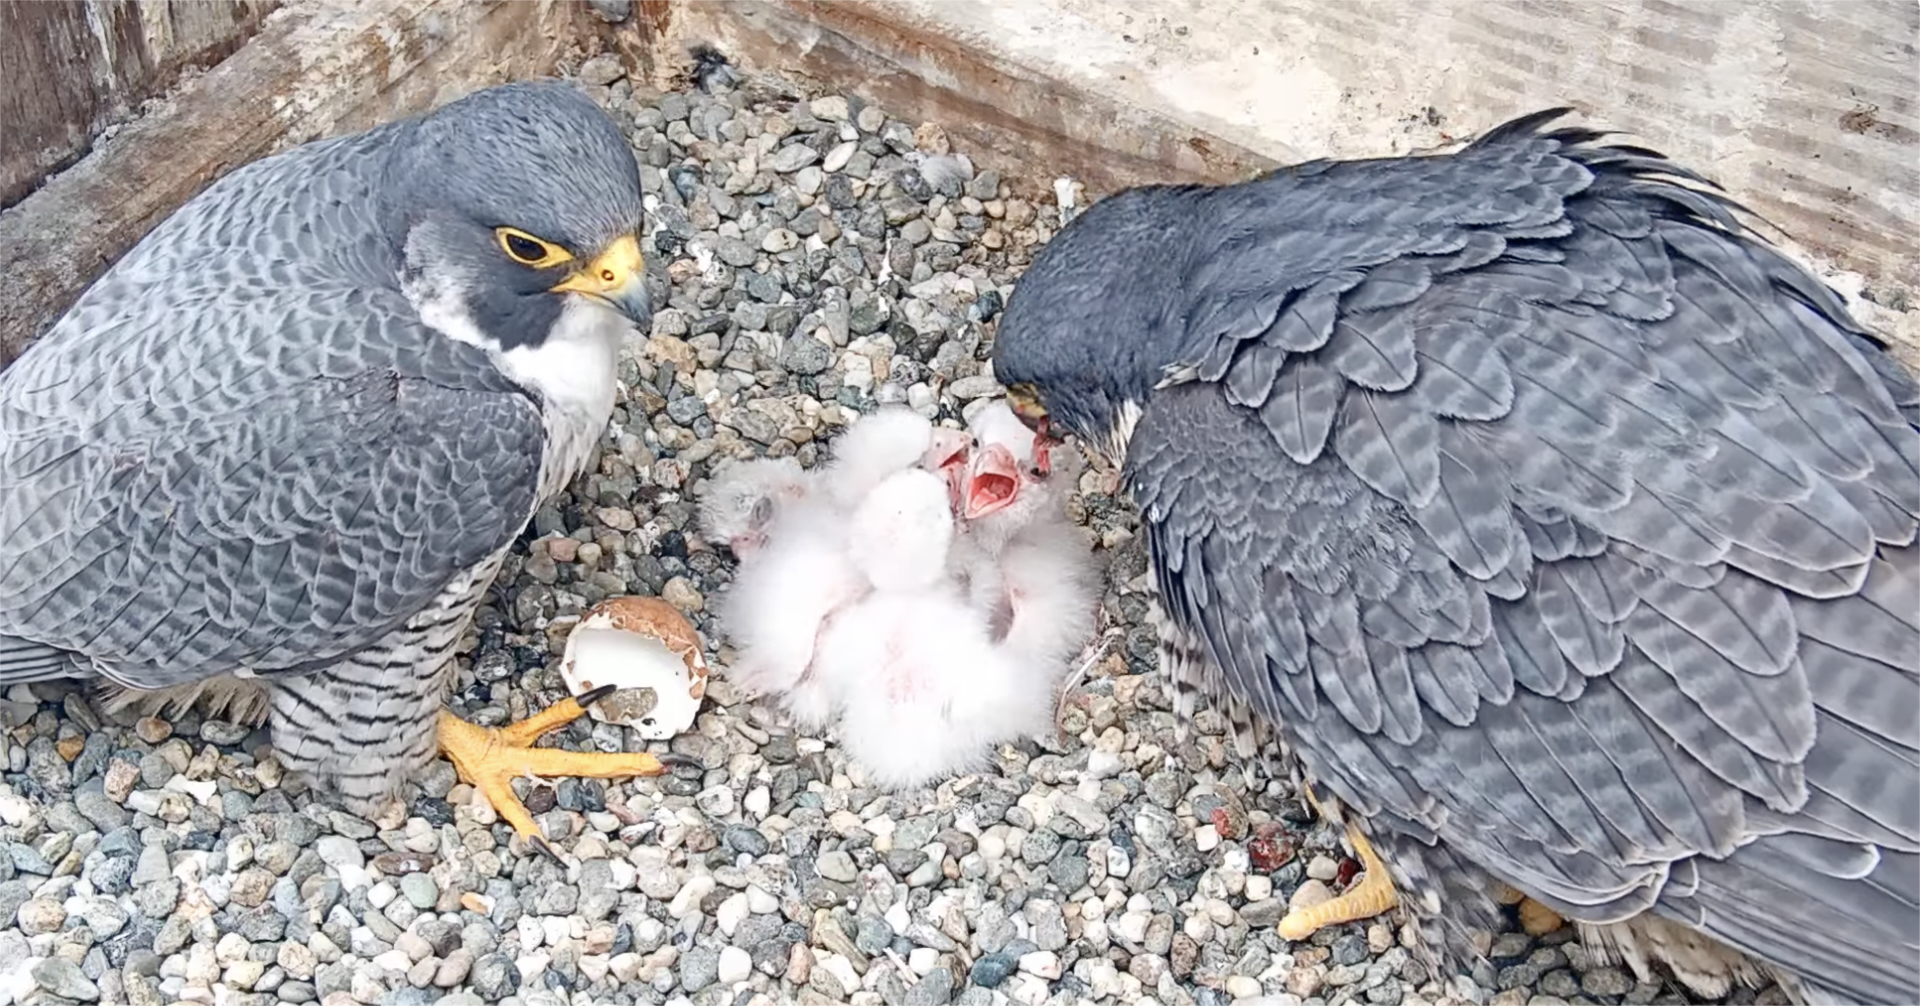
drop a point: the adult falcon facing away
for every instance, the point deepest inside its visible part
(1561, 529)
(285, 442)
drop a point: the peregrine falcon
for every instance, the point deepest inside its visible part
(1556, 530)
(283, 445)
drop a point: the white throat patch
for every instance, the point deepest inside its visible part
(571, 372)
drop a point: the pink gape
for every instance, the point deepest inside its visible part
(947, 457)
(993, 479)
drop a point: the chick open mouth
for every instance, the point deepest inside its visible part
(992, 482)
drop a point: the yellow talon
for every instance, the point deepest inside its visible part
(489, 759)
(1537, 919)
(1373, 895)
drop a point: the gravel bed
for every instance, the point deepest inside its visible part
(811, 256)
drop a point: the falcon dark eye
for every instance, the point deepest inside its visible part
(530, 251)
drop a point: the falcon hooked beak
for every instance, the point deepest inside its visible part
(616, 278)
(1025, 402)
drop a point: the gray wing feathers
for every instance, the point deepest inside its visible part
(1608, 579)
(278, 517)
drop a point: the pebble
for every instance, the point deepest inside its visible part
(734, 965)
(64, 978)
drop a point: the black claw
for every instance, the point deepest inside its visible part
(673, 759)
(594, 696)
(540, 846)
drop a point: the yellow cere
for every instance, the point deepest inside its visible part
(620, 264)
(1025, 402)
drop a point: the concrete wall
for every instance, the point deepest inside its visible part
(1804, 110)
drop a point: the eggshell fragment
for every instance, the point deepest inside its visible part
(650, 653)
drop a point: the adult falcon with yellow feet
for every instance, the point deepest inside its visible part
(276, 453)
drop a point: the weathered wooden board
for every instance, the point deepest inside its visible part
(74, 66)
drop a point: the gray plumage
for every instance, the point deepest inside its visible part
(1561, 528)
(291, 434)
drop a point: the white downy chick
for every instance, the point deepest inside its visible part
(782, 597)
(887, 440)
(1021, 560)
(738, 502)
(924, 692)
(787, 589)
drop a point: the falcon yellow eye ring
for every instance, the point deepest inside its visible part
(530, 251)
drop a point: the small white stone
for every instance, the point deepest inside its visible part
(1094, 931)
(381, 895)
(353, 878)
(395, 961)
(1240, 987)
(1259, 887)
(1104, 764)
(760, 902)
(731, 913)
(624, 966)
(922, 959)
(898, 918)
(531, 966)
(1206, 838)
(1322, 868)
(735, 965)
(778, 240)
(1029, 990)
(1132, 927)
(838, 157)
(759, 800)
(1041, 963)
(830, 107)
(692, 892)
(1103, 979)
(556, 929)
(1198, 927)
(840, 968)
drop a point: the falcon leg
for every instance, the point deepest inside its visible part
(1373, 895)
(490, 758)
(1536, 918)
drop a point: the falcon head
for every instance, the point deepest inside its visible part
(1082, 344)
(517, 212)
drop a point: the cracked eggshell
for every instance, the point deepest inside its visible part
(652, 656)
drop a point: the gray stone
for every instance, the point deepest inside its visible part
(64, 978)
(494, 977)
(699, 968)
(793, 157)
(836, 865)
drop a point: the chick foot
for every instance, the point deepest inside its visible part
(489, 758)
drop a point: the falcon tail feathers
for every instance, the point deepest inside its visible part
(23, 661)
